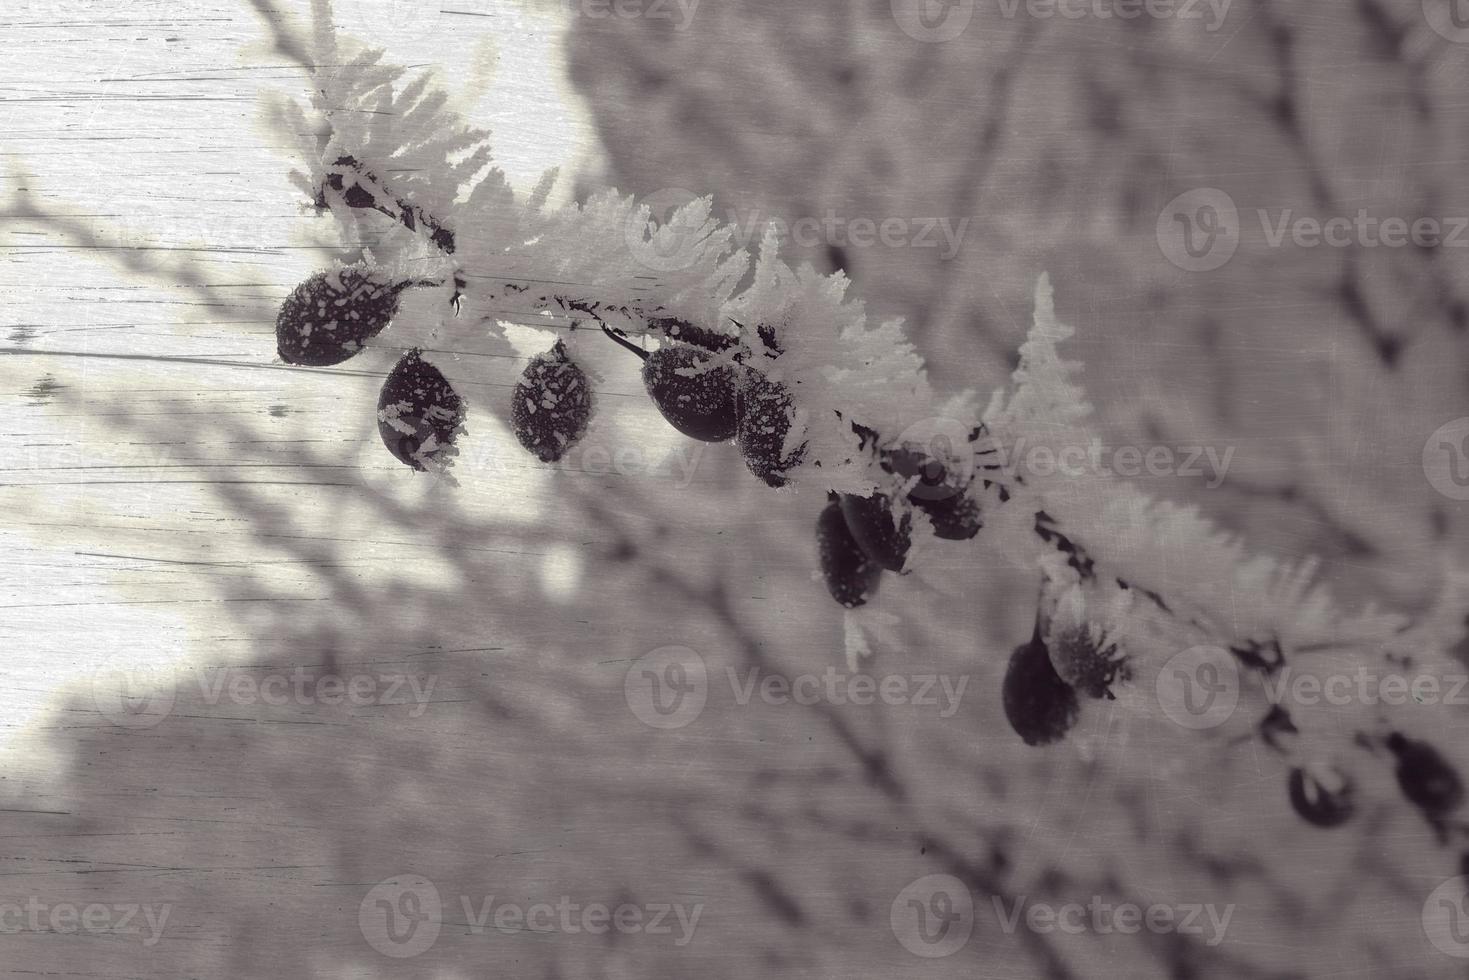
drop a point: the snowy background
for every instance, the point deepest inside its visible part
(177, 499)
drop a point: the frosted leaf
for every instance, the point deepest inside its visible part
(1044, 397)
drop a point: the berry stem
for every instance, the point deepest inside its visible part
(624, 342)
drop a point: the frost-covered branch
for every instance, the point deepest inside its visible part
(1143, 603)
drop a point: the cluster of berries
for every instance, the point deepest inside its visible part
(703, 382)
(859, 538)
(1324, 796)
(707, 386)
(330, 317)
(1047, 674)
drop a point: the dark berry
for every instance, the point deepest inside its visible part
(1322, 796)
(850, 575)
(883, 530)
(552, 405)
(1079, 661)
(1425, 777)
(1039, 705)
(766, 415)
(329, 317)
(956, 518)
(419, 414)
(695, 390)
